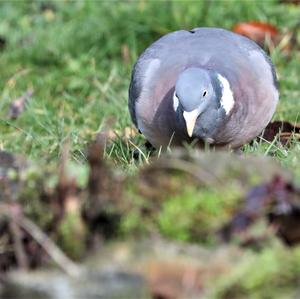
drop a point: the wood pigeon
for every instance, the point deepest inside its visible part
(208, 84)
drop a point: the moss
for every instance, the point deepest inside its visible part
(273, 272)
(71, 235)
(189, 214)
(137, 219)
(33, 195)
(195, 214)
(36, 196)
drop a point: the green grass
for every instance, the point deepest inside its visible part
(73, 54)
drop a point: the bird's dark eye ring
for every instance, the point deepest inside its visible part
(204, 93)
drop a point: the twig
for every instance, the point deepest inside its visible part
(43, 240)
(15, 212)
(18, 244)
(49, 246)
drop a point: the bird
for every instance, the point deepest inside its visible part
(206, 84)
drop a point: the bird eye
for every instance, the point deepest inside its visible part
(204, 93)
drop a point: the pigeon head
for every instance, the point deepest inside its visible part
(202, 99)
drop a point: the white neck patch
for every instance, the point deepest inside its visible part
(175, 101)
(227, 99)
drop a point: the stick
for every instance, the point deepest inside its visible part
(67, 265)
(18, 244)
(49, 246)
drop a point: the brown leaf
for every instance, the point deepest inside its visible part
(278, 202)
(268, 36)
(18, 105)
(284, 130)
(295, 2)
(256, 31)
(170, 280)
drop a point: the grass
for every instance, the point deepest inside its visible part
(77, 56)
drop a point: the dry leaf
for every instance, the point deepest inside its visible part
(257, 31)
(170, 280)
(266, 35)
(284, 130)
(295, 2)
(278, 202)
(18, 105)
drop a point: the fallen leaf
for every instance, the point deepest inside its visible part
(18, 105)
(256, 31)
(267, 35)
(169, 280)
(284, 130)
(278, 202)
(295, 2)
